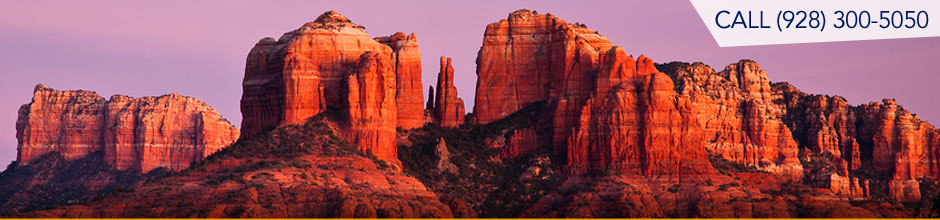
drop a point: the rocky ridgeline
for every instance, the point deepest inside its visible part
(567, 123)
(611, 112)
(140, 134)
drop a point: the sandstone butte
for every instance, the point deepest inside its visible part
(139, 134)
(332, 63)
(445, 107)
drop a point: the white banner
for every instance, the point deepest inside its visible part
(767, 22)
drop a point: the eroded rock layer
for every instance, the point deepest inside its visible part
(332, 63)
(609, 111)
(636, 124)
(448, 109)
(407, 67)
(738, 116)
(879, 141)
(142, 134)
(371, 101)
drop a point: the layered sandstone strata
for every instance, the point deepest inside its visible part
(302, 73)
(636, 123)
(332, 63)
(371, 101)
(141, 134)
(608, 111)
(738, 116)
(406, 58)
(882, 139)
(448, 109)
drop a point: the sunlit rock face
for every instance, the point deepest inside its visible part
(447, 109)
(609, 111)
(141, 134)
(738, 115)
(332, 63)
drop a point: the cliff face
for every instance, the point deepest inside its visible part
(448, 109)
(406, 58)
(333, 63)
(142, 134)
(371, 101)
(738, 116)
(611, 112)
(608, 111)
(300, 74)
(636, 123)
(879, 142)
(42, 125)
(530, 57)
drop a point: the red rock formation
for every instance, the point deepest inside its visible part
(406, 58)
(317, 67)
(636, 124)
(323, 180)
(42, 125)
(371, 101)
(284, 78)
(525, 58)
(608, 111)
(448, 110)
(902, 148)
(531, 57)
(845, 186)
(430, 104)
(828, 125)
(141, 134)
(903, 145)
(738, 116)
(521, 142)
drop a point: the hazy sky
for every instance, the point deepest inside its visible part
(198, 48)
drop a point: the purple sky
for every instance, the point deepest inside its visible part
(198, 48)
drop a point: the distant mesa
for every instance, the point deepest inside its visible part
(139, 134)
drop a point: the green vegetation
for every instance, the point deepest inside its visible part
(288, 141)
(281, 148)
(51, 180)
(727, 167)
(487, 184)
